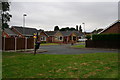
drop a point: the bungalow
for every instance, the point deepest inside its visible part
(113, 28)
(63, 36)
(8, 33)
(43, 37)
(71, 36)
(58, 37)
(24, 31)
(50, 35)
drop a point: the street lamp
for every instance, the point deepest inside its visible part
(84, 28)
(24, 21)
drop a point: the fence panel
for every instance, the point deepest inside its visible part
(20, 43)
(30, 43)
(9, 43)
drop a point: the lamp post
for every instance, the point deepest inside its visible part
(24, 15)
(84, 28)
(24, 21)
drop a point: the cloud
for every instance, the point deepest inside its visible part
(46, 15)
(64, 0)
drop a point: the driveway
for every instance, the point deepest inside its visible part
(66, 49)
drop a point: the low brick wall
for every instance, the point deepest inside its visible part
(102, 44)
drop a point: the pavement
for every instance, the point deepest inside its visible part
(67, 49)
(27, 51)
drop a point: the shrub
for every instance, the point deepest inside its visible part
(106, 37)
(88, 37)
(43, 41)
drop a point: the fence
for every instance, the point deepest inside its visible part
(17, 43)
(103, 44)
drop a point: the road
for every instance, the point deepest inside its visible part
(66, 49)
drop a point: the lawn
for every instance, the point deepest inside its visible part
(45, 44)
(78, 46)
(94, 65)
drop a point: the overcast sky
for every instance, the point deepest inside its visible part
(46, 15)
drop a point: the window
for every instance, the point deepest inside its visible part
(79, 37)
(60, 38)
(56, 37)
(74, 38)
(43, 38)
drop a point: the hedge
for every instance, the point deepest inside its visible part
(43, 41)
(106, 37)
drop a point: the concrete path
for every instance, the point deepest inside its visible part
(66, 49)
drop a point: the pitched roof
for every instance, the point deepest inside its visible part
(25, 30)
(117, 21)
(64, 33)
(68, 33)
(50, 33)
(78, 33)
(9, 32)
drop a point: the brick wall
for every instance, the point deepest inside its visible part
(113, 29)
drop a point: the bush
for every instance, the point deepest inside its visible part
(43, 41)
(106, 37)
(88, 37)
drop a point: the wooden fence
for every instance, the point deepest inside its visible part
(17, 43)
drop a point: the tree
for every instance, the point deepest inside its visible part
(76, 27)
(62, 29)
(88, 37)
(72, 29)
(67, 29)
(5, 14)
(56, 28)
(80, 28)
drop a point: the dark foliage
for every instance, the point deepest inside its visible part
(67, 29)
(80, 28)
(88, 37)
(76, 27)
(106, 37)
(5, 14)
(56, 28)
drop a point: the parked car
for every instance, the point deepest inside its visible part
(82, 40)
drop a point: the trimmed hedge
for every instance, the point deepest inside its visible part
(106, 37)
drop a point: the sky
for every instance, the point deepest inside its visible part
(46, 15)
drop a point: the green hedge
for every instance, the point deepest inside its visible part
(88, 37)
(106, 37)
(43, 41)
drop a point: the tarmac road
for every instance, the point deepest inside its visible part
(66, 49)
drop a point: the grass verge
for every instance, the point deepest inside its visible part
(78, 46)
(94, 65)
(45, 44)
